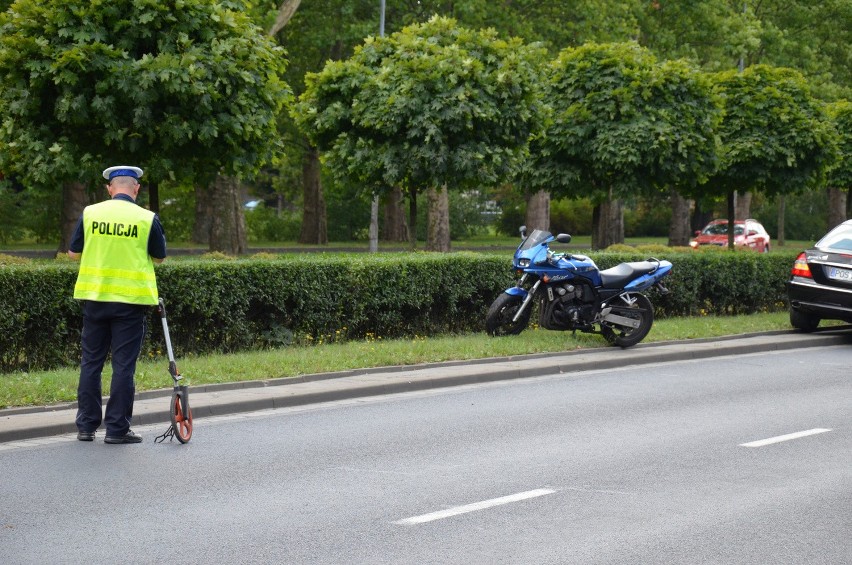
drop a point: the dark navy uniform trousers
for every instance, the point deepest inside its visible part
(117, 328)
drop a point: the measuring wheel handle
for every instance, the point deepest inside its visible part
(181, 414)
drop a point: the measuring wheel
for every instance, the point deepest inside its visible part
(181, 416)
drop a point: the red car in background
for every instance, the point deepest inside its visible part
(747, 233)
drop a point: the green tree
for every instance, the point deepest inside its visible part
(189, 89)
(329, 30)
(840, 174)
(775, 136)
(713, 34)
(433, 106)
(815, 38)
(622, 123)
(10, 208)
(316, 33)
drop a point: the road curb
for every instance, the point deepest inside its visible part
(283, 381)
(216, 400)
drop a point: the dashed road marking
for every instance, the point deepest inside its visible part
(456, 510)
(786, 437)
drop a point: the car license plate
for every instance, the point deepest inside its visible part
(839, 274)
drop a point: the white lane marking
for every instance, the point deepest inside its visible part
(455, 511)
(787, 437)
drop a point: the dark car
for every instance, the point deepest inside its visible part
(747, 233)
(820, 285)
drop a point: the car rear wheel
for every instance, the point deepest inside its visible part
(803, 321)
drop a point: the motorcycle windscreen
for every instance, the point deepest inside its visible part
(534, 238)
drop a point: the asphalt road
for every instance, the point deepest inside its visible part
(644, 464)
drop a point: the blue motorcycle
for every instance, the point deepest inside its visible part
(573, 294)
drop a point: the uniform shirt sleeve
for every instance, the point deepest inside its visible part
(76, 244)
(157, 240)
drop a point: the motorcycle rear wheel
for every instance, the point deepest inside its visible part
(498, 321)
(641, 310)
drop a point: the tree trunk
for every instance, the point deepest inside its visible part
(538, 211)
(285, 12)
(154, 197)
(438, 232)
(782, 212)
(848, 202)
(607, 223)
(700, 217)
(374, 224)
(73, 202)
(679, 229)
(836, 207)
(203, 215)
(743, 211)
(228, 227)
(314, 226)
(732, 211)
(412, 217)
(395, 227)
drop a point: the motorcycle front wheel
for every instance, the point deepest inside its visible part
(498, 321)
(641, 310)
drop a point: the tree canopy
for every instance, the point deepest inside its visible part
(623, 121)
(840, 173)
(184, 87)
(775, 136)
(434, 104)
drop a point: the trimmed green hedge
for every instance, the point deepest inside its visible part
(717, 283)
(222, 306)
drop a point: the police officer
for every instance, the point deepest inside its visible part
(117, 243)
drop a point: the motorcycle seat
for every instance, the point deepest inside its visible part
(620, 275)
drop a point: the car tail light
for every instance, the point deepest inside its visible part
(800, 267)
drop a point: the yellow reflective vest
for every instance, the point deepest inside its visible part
(115, 265)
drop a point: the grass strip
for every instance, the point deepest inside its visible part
(60, 385)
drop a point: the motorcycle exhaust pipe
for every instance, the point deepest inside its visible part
(621, 320)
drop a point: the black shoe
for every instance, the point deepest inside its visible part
(129, 437)
(86, 436)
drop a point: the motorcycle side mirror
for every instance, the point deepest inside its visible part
(523, 231)
(563, 238)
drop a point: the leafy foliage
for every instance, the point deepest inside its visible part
(775, 136)
(840, 174)
(10, 212)
(229, 305)
(430, 105)
(187, 87)
(812, 37)
(716, 283)
(712, 33)
(623, 121)
(815, 38)
(554, 23)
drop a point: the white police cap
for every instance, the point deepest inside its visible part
(122, 171)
